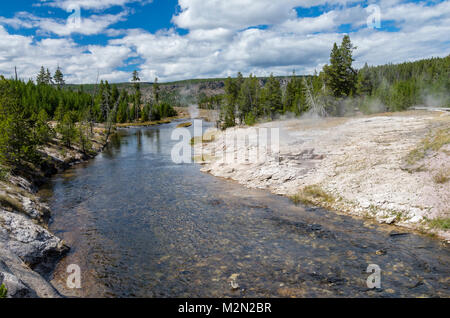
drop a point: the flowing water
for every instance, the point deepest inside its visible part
(141, 226)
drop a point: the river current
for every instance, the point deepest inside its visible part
(140, 225)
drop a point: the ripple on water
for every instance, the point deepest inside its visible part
(140, 226)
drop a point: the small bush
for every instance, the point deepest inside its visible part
(250, 119)
(441, 177)
(3, 173)
(3, 291)
(312, 194)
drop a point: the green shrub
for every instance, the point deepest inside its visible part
(67, 129)
(250, 119)
(3, 291)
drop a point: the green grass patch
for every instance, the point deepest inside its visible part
(312, 194)
(439, 223)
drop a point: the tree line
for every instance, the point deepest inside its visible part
(337, 90)
(27, 109)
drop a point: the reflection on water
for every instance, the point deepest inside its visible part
(141, 226)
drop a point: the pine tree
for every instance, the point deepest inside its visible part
(67, 129)
(59, 78)
(273, 96)
(290, 94)
(248, 98)
(156, 91)
(42, 130)
(340, 75)
(146, 112)
(115, 94)
(228, 113)
(48, 78)
(364, 83)
(17, 138)
(123, 110)
(137, 95)
(40, 79)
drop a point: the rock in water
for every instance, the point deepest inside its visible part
(233, 281)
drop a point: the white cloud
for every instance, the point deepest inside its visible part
(240, 14)
(91, 25)
(89, 4)
(221, 41)
(294, 43)
(79, 63)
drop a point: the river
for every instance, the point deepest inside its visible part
(141, 226)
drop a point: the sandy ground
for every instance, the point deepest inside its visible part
(360, 166)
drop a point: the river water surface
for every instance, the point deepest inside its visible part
(141, 226)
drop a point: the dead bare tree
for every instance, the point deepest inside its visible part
(91, 119)
(312, 101)
(109, 124)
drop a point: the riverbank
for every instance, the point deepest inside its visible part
(28, 251)
(146, 123)
(183, 113)
(391, 167)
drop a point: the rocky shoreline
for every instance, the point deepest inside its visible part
(28, 251)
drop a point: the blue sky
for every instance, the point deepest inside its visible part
(180, 39)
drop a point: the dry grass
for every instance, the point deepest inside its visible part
(206, 114)
(202, 159)
(144, 124)
(432, 142)
(441, 177)
(315, 123)
(312, 194)
(184, 125)
(11, 203)
(209, 136)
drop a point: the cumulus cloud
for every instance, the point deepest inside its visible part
(225, 37)
(89, 4)
(90, 25)
(239, 14)
(80, 63)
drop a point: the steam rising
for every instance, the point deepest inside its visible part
(193, 111)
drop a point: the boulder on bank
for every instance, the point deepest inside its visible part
(20, 280)
(32, 243)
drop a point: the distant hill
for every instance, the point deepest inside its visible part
(187, 90)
